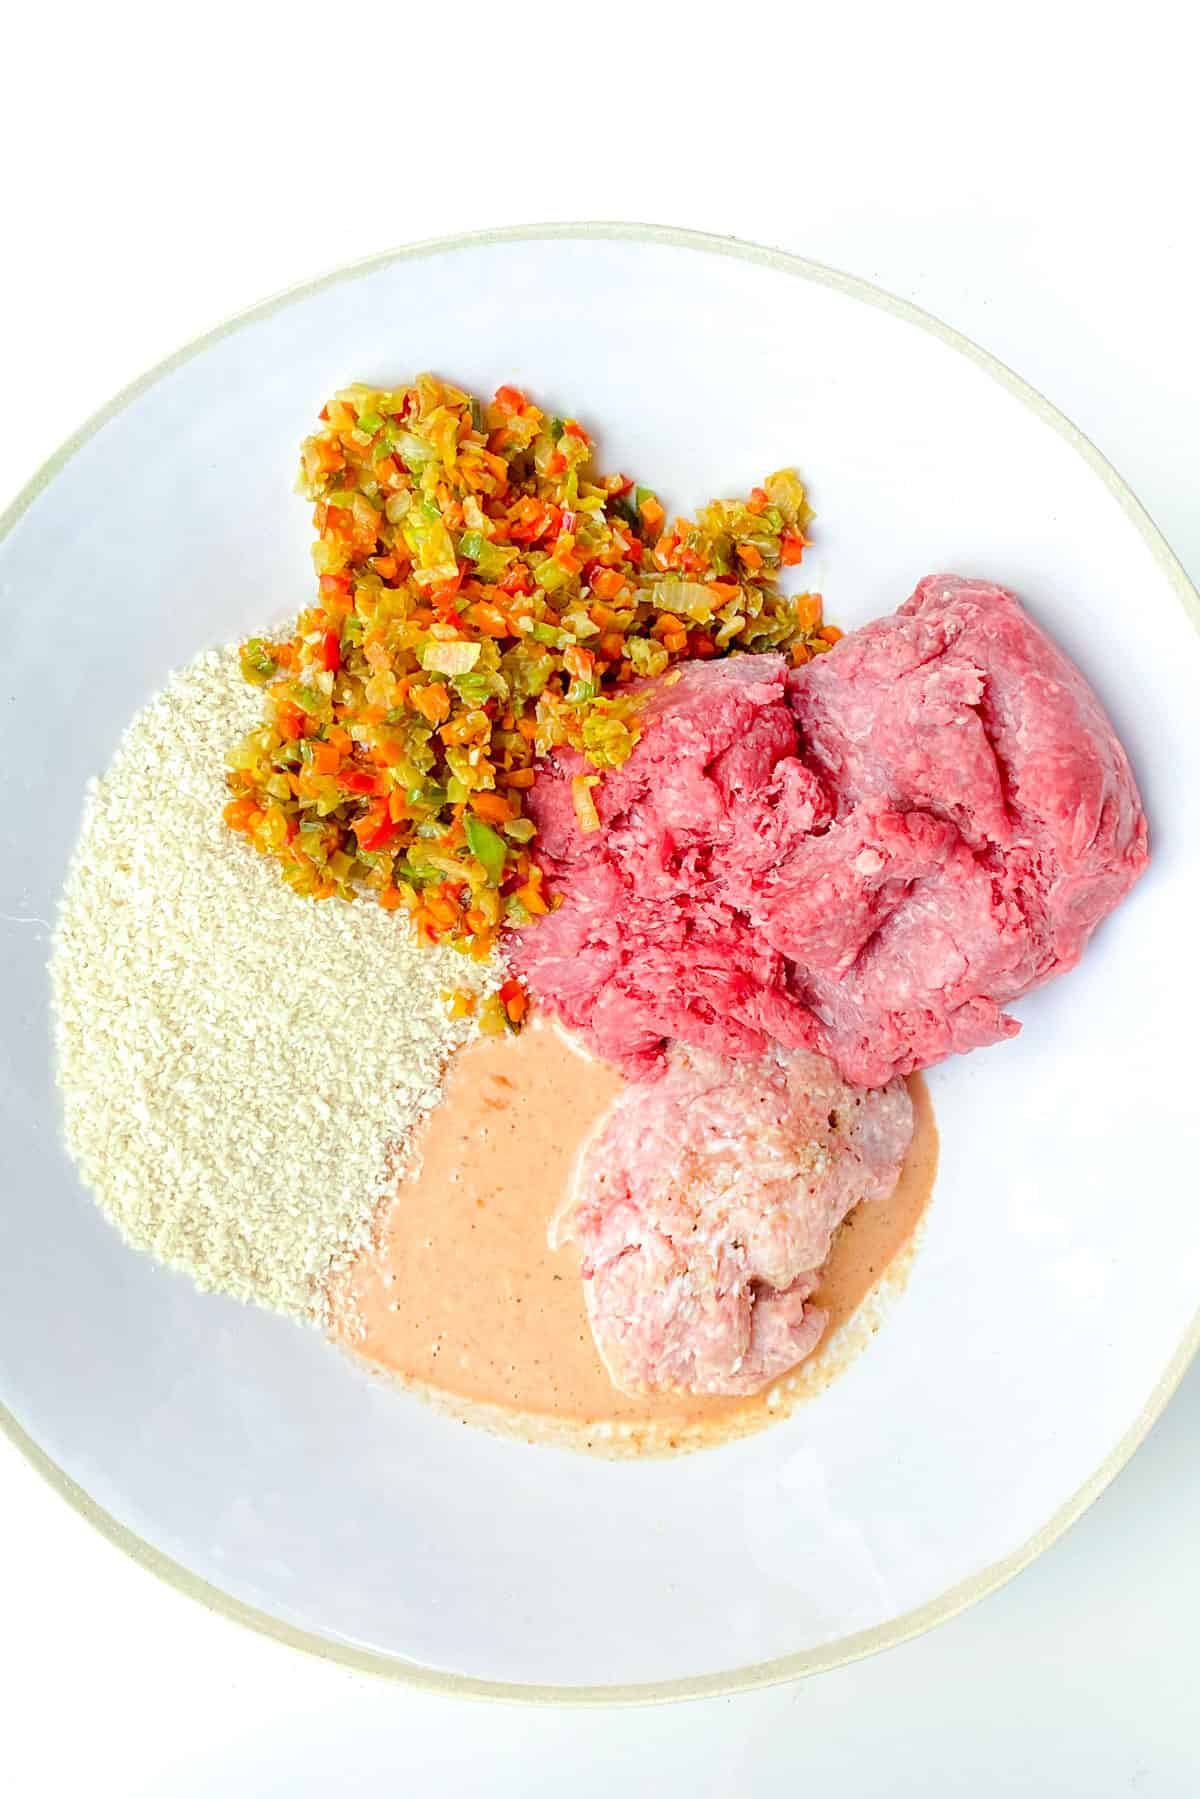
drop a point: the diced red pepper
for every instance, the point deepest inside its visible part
(515, 1000)
(376, 828)
(517, 580)
(292, 722)
(442, 591)
(357, 780)
(331, 652)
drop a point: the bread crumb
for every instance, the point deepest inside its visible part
(240, 1068)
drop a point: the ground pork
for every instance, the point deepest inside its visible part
(706, 1206)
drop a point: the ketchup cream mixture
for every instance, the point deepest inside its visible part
(462, 1298)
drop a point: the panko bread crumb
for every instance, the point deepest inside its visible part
(239, 1067)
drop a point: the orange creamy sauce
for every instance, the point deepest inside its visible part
(462, 1298)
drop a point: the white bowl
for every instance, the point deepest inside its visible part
(1053, 1306)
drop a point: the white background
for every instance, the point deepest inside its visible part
(1031, 180)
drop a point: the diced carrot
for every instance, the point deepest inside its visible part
(757, 502)
(808, 610)
(606, 585)
(652, 515)
(326, 758)
(801, 654)
(493, 807)
(751, 555)
(490, 620)
(388, 752)
(391, 899)
(463, 730)
(612, 645)
(830, 634)
(242, 814)
(531, 898)
(791, 548)
(519, 777)
(432, 702)
(442, 911)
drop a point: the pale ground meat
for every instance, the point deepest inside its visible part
(239, 1067)
(705, 1209)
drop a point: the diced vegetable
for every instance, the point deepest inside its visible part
(489, 849)
(483, 597)
(585, 805)
(258, 664)
(457, 658)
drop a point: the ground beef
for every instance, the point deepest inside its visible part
(705, 1208)
(869, 856)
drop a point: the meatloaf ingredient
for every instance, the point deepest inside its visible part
(869, 857)
(706, 1207)
(238, 1069)
(462, 1298)
(484, 595)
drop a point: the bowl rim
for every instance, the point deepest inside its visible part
(955, 1599)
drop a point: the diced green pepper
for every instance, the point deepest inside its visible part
(489, 849)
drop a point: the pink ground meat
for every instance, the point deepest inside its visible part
(705, 1209)
(868, 857)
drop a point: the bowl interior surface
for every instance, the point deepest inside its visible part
(1061, 1262)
